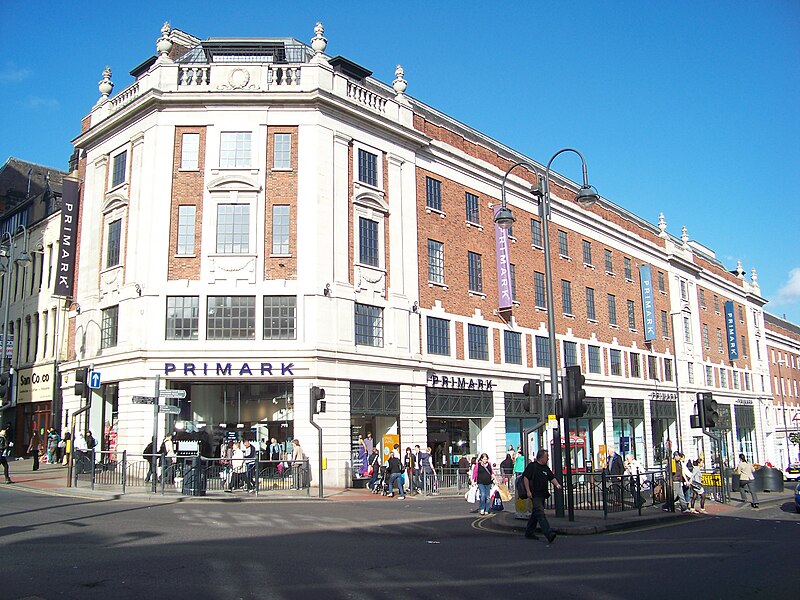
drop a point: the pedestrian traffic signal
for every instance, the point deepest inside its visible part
(317, 400)
(81, 382)
(574, 394)
(532, 391)
(4, 380)
(707, 410)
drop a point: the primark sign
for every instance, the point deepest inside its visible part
(230, 370)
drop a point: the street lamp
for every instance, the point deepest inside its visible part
(505, 219)
(783, 410)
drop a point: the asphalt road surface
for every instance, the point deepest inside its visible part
(69, 547)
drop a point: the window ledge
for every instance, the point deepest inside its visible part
(568, 316)
(593, 321)
(282, 169)
(372, 267)
(435, 211)
(185, 255)
(513, 238)
(628, 280)
(588, 266)
(117, 187)
(195, 170)
(358, 183)
(662, 292)
(610, 274)
(613, 326)
(540, 308)
(535, 247)
(633, 330)
(475, 225)
(565, 257)
(439, 285)
(282, 256)
(478, 294)
(251, 170)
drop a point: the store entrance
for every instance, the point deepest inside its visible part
(450, 439)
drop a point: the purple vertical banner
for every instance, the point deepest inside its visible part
(730, 329)
(68, 242)
(504, 290)
(648, 309)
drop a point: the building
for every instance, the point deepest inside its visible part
(783, 348)
(258, 218)
(32, 314)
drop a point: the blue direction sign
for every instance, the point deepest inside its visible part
(94, 380)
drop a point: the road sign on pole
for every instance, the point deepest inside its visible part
(172, 394)
(143, 400)
(94, 380)
(169, 409)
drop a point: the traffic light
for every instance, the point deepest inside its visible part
(533, 391)
(707, 410)
(317, 400)
(4, 380)
(574, 394)
(81, 382)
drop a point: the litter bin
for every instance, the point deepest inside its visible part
(768, 480)
(194, 477)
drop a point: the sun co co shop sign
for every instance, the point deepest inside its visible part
(35, 385)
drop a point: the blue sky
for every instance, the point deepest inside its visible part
(687, 108)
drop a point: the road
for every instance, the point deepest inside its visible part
(72, 547)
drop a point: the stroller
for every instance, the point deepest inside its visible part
(381, 483)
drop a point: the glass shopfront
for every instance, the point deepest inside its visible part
(663, 421)
(628, 427)
(746, 431)
(456, 418)
(587, 438)
(374, 423)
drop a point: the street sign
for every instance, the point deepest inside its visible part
(94, 380)
(169, 409)
(143, 400)
(172, 393)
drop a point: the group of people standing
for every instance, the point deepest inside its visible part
(414, 470)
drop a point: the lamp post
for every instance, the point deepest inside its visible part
(783, 410)
(505, 219)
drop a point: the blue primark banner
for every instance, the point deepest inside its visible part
(730, 330)
(648, 310)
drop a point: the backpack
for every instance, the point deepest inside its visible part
(519, 484)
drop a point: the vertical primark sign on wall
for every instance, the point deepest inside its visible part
(648, 310)
(68, 241)
(730, 330)
(504, 299)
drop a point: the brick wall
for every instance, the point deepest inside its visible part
(281, 190)
(187, 189)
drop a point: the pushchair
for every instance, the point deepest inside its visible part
(381, 483)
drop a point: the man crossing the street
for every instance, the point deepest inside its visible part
(536, 478)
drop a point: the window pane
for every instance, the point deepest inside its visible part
(280, 229)
(590, 314)
(438, 336)
(609, 261)
(183, 317)
(536, 233)
(473, 216)
(282, 151)
(542, 351)
(435, 262)
(563, 243)
(186, 228)
(108, 328)
(570, 354)
(433, 193)
(367, 168)
(233, 228)
(475, 272)
(190, 150)
(368, 242)
(280, 318)
(587, 252)
(231, 318)
(627, 268)
(119, 169)
(612, 309)
(369, 325)
(112, 247)
(594, 359)
(478, 342)
(234, 150)
(616, 362)
(540, 293)
(513, 347)
(631, 315)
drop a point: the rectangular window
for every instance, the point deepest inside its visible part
(594, 359)
(667, 369)
(609, 261)
(433, 194)
(235, 150)
(536, 233)
(367, 242)
(231, 318)
(435, 262)
(615, 358)
(636, 365)
(475, 272)
(590, 314)
(687, 330)
(741, 314)
(702, 298)
(661, 287)
(627, 262)
(684, 290)
(280, 318)
(113, 244)
(183, 317)
(612, 309)
(716, 304)
(652, 367)
(719, 341)
(513, 347)
(705, 336)
(631, 314)
(570, 354)
(566, 296)
(743, 347)
(438, 336)
(473, 215)
(280, 229)
(709, 376)
(540, 293)
(369, 325)
(186, 227)
(367, 167)
(664, 324)
(109, 327)
(563, 243)
(119, 169)
(282, 151)
(587, 252)
(190, 151)
(690, 370)
(478, 342)
(513, 272)
(723, 378)
(735, 379)
(233, 228)
(542, 351)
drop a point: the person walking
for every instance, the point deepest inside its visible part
(535, 478)
(634, 471)
(250, 459)
(484, 477)
(678, 481)
(375, 467)
(614, 470)
(416, 472)
(238, 466)
(298, 464)
(746, 478)
(52, 445)
(5, 451)
(697, 487)
(33, 446)
(394, 470)
(463, 472)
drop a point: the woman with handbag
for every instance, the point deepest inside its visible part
(696, 485)
(484, 478)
